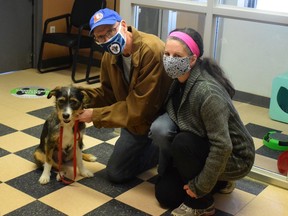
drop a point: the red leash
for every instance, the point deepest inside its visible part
(74, 152)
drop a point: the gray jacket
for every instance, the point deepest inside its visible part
(207, 110)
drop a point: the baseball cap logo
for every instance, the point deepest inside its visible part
(97, 17)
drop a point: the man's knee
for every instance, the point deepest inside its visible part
(157, 128)
(116, 176)
(161, 133)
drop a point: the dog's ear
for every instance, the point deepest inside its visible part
(53, 92)
(88, 94)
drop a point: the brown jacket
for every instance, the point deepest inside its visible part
(133, 105)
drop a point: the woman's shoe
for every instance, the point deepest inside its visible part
(184, 210)
(228, 188)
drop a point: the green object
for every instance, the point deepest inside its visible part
(30, 92)
(276, 141)
(278, 109)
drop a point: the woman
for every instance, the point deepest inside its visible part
(204, 146)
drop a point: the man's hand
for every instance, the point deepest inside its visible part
(85, 115)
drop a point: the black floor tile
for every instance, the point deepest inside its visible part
(102, 151)
(28, 183)
(6, 130)
(27, 153)
(42, 113)
(265, 151)
(34, 131)
(101, 183)
(114, 207)
(103, 134)
(167, 213)
(3, 152)
(249, 186)
(36, 208)
(153, 179)
(258, 131)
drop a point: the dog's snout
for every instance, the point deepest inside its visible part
(66, 116)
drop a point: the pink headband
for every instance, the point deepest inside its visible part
(188, 41)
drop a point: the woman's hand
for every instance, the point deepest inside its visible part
(189, 192)
(85, 115)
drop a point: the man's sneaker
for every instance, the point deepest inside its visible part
(184, 210)
(228, 188)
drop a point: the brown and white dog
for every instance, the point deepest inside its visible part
(69, 101)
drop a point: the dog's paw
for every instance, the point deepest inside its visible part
(86, 173)
(59, 174)
(92, 158)
(44, 179)
(89, 157)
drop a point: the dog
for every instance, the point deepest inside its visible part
(69, 101)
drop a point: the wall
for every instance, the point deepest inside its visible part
(53, 8)
(192, 20)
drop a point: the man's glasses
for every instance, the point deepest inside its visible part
(109, 34)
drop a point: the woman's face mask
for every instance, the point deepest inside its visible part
(116, 44)
(176, 66)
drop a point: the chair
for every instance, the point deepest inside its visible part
(93, 79)
(77, 21)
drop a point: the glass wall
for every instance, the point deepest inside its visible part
(267, 5)
(165, 21)
(248, 50)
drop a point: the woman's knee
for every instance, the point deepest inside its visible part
(186, 140)
(182, 141)
(189, 147)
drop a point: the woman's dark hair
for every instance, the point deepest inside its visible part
(208, 64)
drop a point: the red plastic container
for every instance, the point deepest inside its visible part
(282, 163)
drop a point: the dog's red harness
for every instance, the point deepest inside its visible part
(76, 132)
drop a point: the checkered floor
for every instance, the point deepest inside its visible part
(21, 121)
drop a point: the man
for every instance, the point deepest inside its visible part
(133, 88)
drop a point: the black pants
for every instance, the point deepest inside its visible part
(189, 153)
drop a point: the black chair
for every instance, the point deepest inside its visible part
(77, 21)
(93, 79)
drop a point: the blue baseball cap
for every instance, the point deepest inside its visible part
(104, 16)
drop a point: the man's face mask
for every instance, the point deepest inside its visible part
(116, 44)
(176, 66)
